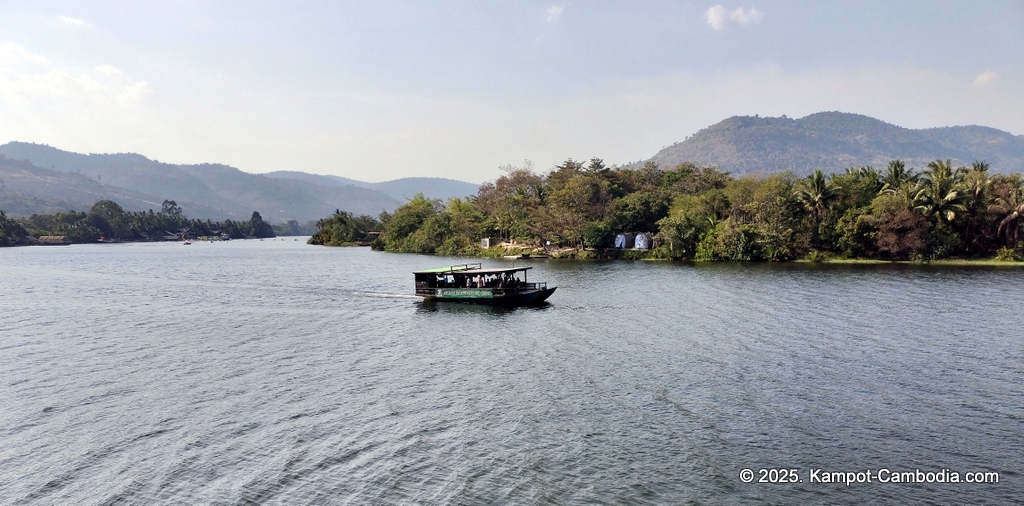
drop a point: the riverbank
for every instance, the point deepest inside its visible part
(516, 249)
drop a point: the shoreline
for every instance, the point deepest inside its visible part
(499, 252)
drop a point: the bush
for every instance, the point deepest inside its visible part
(1007, 255)
(816, 257)
(730, 242)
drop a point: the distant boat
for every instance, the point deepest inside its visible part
(472, 283)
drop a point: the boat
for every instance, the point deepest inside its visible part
(474, 284)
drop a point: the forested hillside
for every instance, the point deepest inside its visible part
(47, 179)
(398, 189)
(833, 141)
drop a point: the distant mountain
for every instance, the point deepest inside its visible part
(834, 141)
(398, 189)
(36, 178)
(26, 189)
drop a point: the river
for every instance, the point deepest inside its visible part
(277, 372)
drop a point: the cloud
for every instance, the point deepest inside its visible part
(554, 12)
(109, 70)
(59, 84)
(134, 93)
(986, 78)
(30, 80)
(12, 54)
(70, 21)
(746, 17)
(718, 15)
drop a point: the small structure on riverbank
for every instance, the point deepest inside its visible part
(624, 241)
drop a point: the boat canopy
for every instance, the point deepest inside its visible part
(451, 269)
(470, 270)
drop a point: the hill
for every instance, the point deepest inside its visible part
(27, 189)
(36, 178)
(398, 189)
(834, 141)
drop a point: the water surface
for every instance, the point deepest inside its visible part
(276, 372)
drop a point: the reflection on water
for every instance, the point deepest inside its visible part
(278, 372)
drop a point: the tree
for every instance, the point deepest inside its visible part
(902, 235)
(579, 200)
(109, 218)
(259, 227)
(171, 209)
(976, 199)
(638, 212)
(9, 229)
(896, 176)
(938, 197)
(681, 231)
(511, 201)
(817, 196)
(400, 229)
(338, 229)
(1009, 209)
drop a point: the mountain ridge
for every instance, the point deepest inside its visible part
(41, 178)
(833, 141)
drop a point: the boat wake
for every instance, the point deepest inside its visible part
(387, 295)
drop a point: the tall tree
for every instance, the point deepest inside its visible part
(817, 195)
(896, 176)
(259, 227)
(1009, 209)
(939, 197)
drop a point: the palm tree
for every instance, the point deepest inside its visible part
(897, 175)
(976, 191)
(939, 196)
(817, 196)
(1011, 209)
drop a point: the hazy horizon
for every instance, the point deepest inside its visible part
(398, 89)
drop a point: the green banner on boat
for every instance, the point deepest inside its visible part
(465, 293)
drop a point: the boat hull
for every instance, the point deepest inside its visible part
(524, 298)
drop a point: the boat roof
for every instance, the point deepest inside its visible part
(470, 270)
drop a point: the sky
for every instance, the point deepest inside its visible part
(384, 89)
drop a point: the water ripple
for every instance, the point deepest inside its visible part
(275, 372)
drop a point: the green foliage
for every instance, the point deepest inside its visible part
(341, 228)
(638, 211)
(108, 219)
(729, 241)
(400, 232)
(856, 233)
(1005, 254)
(259, 227)
(816, 256)
(703, 214)
(426, 226)
(597, 234)
(681, 231)
(10, 230)
(817, 195)
(939, 196)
